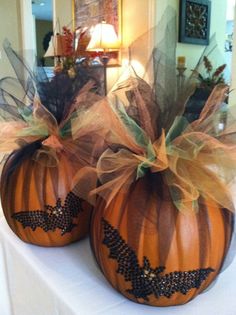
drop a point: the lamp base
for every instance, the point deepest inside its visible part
(105, 59)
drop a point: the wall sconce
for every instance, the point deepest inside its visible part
(104, 39)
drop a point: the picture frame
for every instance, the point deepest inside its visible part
(194, 21)
(87, 13)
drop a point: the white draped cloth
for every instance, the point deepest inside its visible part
(66, 281)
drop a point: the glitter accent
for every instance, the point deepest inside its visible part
(146, 280)
(60, 216)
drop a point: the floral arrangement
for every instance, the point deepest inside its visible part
(70, 42)
(212, 77)
(71, 71)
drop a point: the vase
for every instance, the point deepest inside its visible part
(196, 103)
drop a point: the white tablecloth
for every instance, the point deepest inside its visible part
(66, 281)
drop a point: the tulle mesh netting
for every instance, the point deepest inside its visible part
(137, 130)
(197, 161)
(42, 118)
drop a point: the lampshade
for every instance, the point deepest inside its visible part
(103, 38)
(56, 46)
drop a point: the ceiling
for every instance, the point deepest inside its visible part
(42, 9)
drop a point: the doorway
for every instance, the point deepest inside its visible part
(43, 16)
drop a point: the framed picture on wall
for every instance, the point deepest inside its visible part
(87, 13)
(194, 21)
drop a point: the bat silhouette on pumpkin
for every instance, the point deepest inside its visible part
(60, 216)
(146, 280)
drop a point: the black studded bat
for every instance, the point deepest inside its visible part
(60, 217)
(146, 280)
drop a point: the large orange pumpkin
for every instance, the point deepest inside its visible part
(151, 252)
(37, 201)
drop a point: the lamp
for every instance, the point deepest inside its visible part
(56, 47)
(104, 39)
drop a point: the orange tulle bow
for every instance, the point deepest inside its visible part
(53, 142)
(195, 163)
(188, 175)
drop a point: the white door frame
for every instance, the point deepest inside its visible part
(28, 36)
(232, 99)
(27, 25)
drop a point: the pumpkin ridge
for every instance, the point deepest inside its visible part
(204, 234)
(27, 175)
(55, 179)
(228, 220)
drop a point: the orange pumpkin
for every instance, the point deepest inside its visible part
(151, 252)
(37, 201)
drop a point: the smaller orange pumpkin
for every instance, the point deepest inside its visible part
(37, 200)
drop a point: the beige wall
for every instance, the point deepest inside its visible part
(62, 14)
(218, 26)
(137, 17)
(10, 28)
